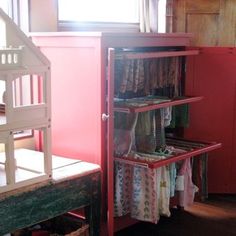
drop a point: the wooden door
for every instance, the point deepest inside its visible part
(212, 22)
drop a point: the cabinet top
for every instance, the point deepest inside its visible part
(110, 34)
(113, 39)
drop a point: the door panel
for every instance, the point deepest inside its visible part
(233, 163)
(212, 21)
(197, 23)
(211, 6)
(212, 75)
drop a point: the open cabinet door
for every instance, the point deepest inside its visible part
(110, 125)
(212, 74)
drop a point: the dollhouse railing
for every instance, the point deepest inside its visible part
(10, 57)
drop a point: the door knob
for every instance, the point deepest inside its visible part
(105, 117)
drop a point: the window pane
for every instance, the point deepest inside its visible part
(123, 11)
(162, 16)
(6, 6)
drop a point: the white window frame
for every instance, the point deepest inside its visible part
(18, 10)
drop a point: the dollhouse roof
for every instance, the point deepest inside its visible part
(16, 49)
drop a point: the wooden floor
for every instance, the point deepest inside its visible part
(216, 216)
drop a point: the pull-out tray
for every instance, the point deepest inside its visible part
(154, 160)
(150, 103)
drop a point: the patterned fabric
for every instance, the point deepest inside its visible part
(142, 192)
(144, 195)
(148, 74)
(132, 75)
(150, 131)
(145, 136)
(122, 188)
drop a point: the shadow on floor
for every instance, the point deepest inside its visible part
(216, 216)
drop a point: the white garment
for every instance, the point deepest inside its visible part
(167, 115)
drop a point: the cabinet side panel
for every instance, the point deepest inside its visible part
(233, 166)
(213, 76)
(76, 100)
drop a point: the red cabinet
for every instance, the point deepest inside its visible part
(82, 67)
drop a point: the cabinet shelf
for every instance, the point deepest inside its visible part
(197, 148)
(147, 55)
(139, 105)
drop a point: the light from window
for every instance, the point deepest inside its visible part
(4, 5)
(162, 16)
(116, 11)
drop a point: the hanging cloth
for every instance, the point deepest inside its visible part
(164, 191)
(123, 188)
(187, 193)
(124, 138)
(144, 194)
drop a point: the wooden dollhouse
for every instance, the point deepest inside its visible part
(25, 91)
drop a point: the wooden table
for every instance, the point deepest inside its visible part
(73, 186)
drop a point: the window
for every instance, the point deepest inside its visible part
(104, 15)
(18, 11)
(6, 6)
(98, 15)
(162, 16)
(99, 11)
